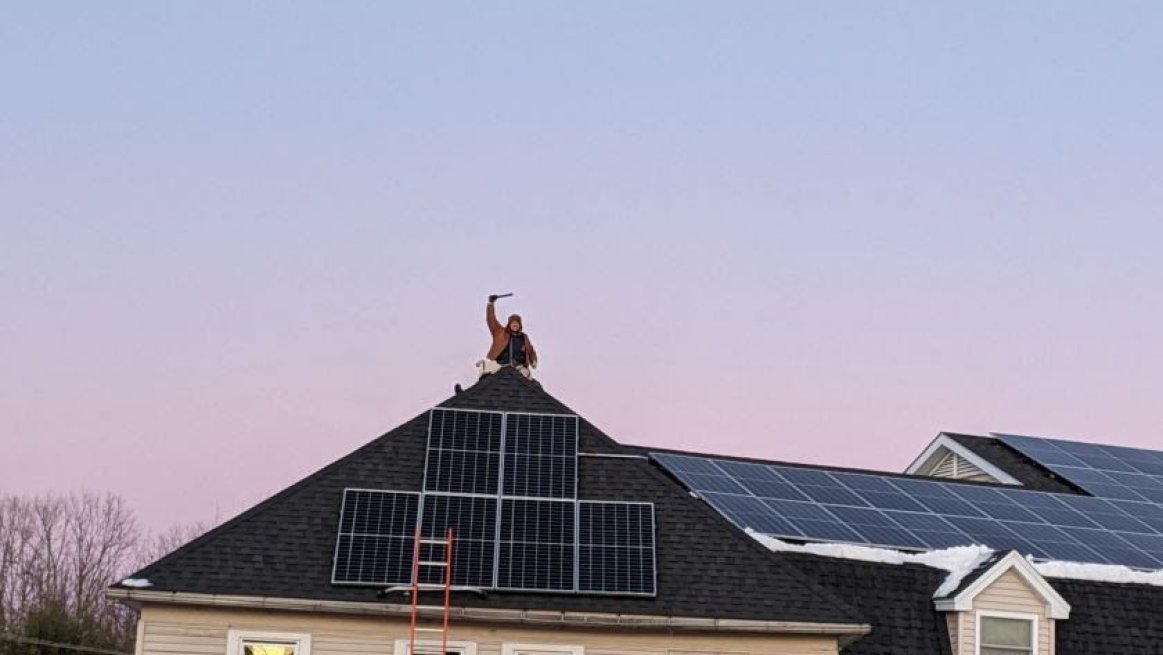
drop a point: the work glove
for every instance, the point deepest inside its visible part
(492, 299)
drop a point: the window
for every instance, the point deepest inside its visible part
(541, 649)
(250, 642)
(432, 647)
(1006, 634)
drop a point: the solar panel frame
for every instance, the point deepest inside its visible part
(650, 554)
(515, 455)
(512, 552)
(405, 535)
(474, 548)
(435, 455)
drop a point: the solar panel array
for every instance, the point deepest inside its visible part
(1109, 472)
(807, 504)
(506, 484)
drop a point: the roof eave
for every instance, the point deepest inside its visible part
(846, 631)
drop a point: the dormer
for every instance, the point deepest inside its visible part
(1003, 607)
(946, 458)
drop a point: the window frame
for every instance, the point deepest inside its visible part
(997, 614)
(404, 646)
(235, 638)
(514, 649)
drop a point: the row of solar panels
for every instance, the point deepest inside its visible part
(1105, 471)
(908, 513)
(495, 453)
(512, 544)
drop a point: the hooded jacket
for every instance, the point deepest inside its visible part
(500, 334)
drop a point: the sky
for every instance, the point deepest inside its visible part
(240, 240)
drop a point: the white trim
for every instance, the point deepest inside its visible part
(490, 615)
(1032, 618)
(1058, 608)
(139, 644)
(516, 649)
(944, 441)
(404, 646)
(235, 639)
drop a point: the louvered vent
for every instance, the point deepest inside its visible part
(952, 465)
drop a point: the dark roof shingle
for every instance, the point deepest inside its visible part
(283, 547)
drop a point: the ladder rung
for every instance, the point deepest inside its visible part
(430, 607)
(433, 563)
(441, 542)
(429, 586)
(429, 629)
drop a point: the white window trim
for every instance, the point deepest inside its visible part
(1032, 618)
(235, 638)
(514, 649)
(404, 646)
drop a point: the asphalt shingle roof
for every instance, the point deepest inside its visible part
(896, 599)
(1110, 618)
(283, 547)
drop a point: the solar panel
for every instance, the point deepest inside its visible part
(540, 456)
(616, 548)
(377, 530)
(464, 452)
(537, 545)
(473, 520)
(912, 513)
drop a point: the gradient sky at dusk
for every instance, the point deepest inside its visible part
(239, 240)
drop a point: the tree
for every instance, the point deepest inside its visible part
(57, 555)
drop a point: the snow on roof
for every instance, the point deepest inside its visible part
(959, 561)
(1099, 573)
(962, 560)
(136, 582)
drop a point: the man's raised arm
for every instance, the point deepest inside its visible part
(491, 316)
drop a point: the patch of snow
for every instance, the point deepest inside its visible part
(960, 561)
(1099, 573)
(139, 583)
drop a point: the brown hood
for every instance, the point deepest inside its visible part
(520, 323)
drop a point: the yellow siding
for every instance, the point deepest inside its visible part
(1009, 593)
(172, 630)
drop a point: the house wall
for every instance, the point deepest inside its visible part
(1009, 593)
(174, 630)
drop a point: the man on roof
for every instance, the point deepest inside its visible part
(510, 347)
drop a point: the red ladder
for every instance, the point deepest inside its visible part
(433, 563)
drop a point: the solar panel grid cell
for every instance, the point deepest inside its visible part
(536, 545)
(540, 456)
(464, 452)
(616, 548)
(376, 530)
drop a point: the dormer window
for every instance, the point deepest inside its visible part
(1007, 634)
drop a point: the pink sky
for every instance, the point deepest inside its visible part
(232, 251)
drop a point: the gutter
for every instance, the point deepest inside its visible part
(493, 615)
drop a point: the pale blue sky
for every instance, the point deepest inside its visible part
(251, 236)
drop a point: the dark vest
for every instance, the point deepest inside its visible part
(514, 353)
